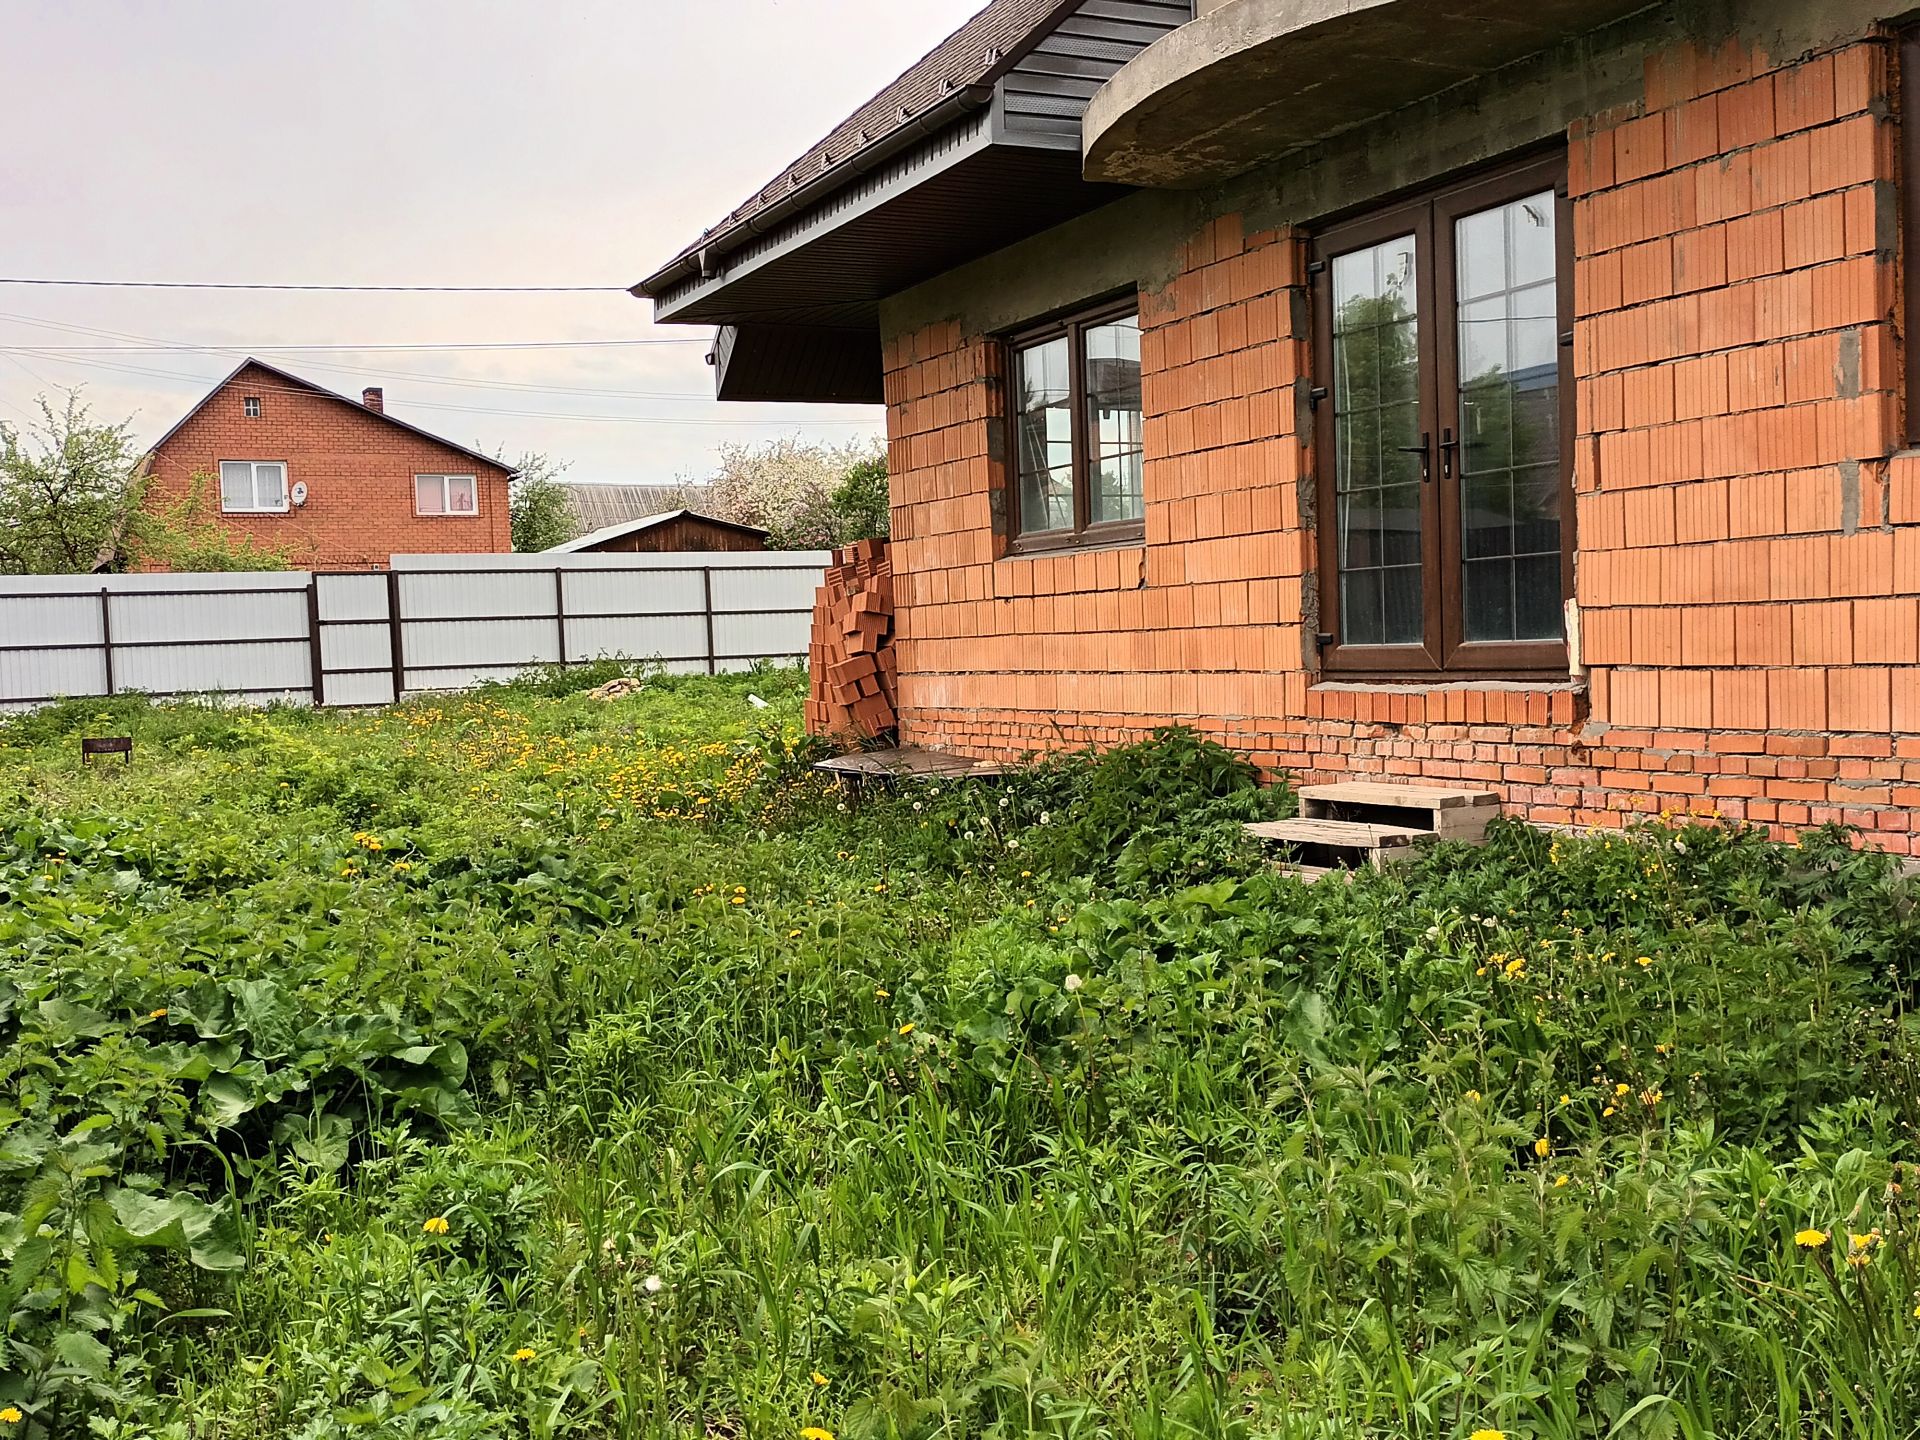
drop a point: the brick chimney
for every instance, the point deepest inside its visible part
(374, 398)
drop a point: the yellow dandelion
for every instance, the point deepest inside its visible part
(793, 934)
(522, 1355)
(1606, 1112)
(11, 1416)
(1473, 1096)
(907, 1029)
(814, 1432)
(1543, 1147)
(1558, 1181)
(1810, 1239)
(882, 994)
(1622, 1088)
(1488, 1435)
(437, 1225)
(159, 1014)
(818, 1378)
(1644, 961)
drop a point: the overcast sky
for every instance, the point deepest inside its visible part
(540, 142)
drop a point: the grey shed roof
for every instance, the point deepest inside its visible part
(595, 507)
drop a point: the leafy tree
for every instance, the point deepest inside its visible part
(540, 515)
(188, 535)
(67, 489)
(860, 508)
(805, 494)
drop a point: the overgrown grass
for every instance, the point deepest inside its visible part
(522, 1064)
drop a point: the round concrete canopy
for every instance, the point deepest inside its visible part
(1253, 79)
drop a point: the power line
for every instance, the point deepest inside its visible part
(459, 409)
(330, 289)
(156, 344)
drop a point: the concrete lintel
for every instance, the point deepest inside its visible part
(1251, 80)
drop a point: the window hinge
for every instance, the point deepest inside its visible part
(1323, 639)
(1315, 396)
(1316, 267)
(1566, 339)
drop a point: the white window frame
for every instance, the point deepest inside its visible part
(445, 512)
(250, 406)
(286, 488)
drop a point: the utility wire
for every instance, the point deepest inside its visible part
(153, 343)
(330, 289)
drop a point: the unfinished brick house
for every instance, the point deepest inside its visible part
(337, 483)
(1500, 393)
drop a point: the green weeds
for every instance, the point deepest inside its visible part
(525, 1064)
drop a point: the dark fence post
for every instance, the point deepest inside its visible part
(316, 664)
(560, 611)
(713, 658)
(394, 648)
(106, 634)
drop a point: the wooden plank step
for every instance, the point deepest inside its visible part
(907, 763)
(1339, 834)
(1404, 797)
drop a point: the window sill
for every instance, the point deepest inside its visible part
(1090, 547)
(1400, 684)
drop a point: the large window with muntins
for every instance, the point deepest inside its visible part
(1077, 431)
(1442, 395)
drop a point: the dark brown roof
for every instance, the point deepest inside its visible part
(974, 54)
(301, 382)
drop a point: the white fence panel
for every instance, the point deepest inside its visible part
(665, 637)
(436, 622)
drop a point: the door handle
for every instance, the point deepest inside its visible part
(1448, 446)
(1425, 451)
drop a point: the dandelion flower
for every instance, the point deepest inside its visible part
(1473, 1096)
(1606, 1113)
(1566, 1099)
(907, 1029)
(1543, 1147)
(1488, 1435)
(159, 1014)
(818, 1379)
(814, 1432)
(1644, 961)
(793, 934)
(1074, 982)
(881, 993)
(1810, 1239)
(653, 1284)
(522, 1355)
(1622, 1088)
(11, 1416)
(437, 1225)
(1558, 1181)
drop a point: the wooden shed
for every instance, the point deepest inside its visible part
(669, 530)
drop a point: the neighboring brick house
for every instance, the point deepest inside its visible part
(1509, 391)
(338, 483)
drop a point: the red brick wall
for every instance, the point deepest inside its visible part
(1748, 542)
(357, 467)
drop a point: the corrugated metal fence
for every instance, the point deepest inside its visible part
(432, 622)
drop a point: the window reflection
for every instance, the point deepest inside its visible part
(1509, 421)
(1376, 349)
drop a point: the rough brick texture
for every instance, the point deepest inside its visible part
(1748, 539)
(357, 466)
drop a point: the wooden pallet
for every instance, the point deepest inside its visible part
(1356, 823)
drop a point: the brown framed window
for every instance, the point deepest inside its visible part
(1075, 387)
(1443, 393)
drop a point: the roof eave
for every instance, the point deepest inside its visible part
(721, 243)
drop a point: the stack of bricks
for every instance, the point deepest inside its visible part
(852, 658)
